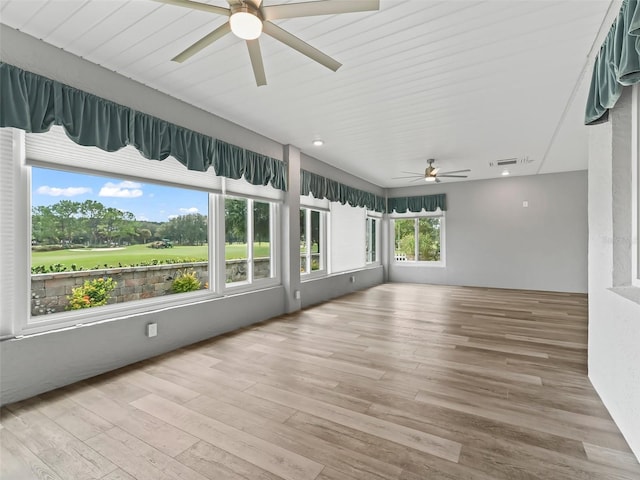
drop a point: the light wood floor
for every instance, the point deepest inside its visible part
(409, 382)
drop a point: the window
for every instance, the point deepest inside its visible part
(419, 239)
(248, 240)
(312, 241)
(103, 240)
(140, 237)
(372, 239)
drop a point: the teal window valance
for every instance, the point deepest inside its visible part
(429, 203)
(34, 103)
(617, 64)
(322, 187)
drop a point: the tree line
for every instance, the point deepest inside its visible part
(428, 238)
(92, 223)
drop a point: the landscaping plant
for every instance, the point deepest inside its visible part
(92, 293)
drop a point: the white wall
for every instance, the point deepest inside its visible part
(614, 313)
(493, 241)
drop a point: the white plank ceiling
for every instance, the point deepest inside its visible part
(466, 83)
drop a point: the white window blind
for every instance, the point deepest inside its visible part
(242, 188)
(347, 242)
(54, 148)
(317, 204)
(8, 180)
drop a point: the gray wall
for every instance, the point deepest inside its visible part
(38, 363)
(322, 289)
(493, 241)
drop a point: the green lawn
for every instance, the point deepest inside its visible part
(137, 254)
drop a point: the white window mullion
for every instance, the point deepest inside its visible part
(322, 247)
(220, 266)
(635, 200)
(416, 241)
(274, 228)
(212, 243)
(250, 240)
(307, 237)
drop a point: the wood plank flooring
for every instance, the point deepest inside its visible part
(398, 382)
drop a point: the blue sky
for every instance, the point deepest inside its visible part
(145, 200)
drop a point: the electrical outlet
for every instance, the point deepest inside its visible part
(152, 330)
(352, 279)
(296, 294)
(525, 204)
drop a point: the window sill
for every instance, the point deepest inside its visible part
(305, 277)
(372, 266)
(245, 287)
(630, 293)
(419, 264)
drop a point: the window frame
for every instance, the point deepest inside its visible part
(251, 283)
(635, 197)
(416, 217)
(21, 322)
(323, 271)
(370, 218)
(35, 324)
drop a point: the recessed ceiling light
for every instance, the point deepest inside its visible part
(318, 142)
(505, 172)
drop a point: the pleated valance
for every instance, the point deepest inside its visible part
(321, 187)
(617, 64)
(34, 103)
(429, 203)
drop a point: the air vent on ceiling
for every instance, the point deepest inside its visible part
(511, 161)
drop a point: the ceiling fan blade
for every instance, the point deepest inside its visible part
(437, 180)
(203, 43)
(256, 62)
(453, 176)
(325, 7)
(412, 176)
(415, 173)
(294, 42)
(455, 171)
(197, 6)
(417, 179)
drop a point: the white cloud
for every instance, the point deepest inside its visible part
(129, 184)
(171, 217)
(124, 189)
(189, 210)
(62, 192)
(142, 218)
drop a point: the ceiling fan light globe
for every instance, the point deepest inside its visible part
(429, 179)
(245, 24)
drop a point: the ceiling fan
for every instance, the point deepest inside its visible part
(433, 174)
(248, 19)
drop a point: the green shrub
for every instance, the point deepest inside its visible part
(186, 282)
(60, 267)
(92, 293)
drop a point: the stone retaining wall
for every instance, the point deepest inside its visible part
(49, 291)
